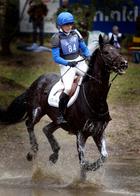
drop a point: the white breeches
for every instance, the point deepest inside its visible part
(68, 73)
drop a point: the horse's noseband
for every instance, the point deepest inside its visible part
(117, 63)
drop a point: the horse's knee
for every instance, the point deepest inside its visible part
(36, 115)
(53, 157)
(27, 122)
(49, 129)
(46, 131)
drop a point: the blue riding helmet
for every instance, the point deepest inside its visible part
(65, 18)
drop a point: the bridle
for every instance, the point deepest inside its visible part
(110, 83)
(106, 61)
(90, 108)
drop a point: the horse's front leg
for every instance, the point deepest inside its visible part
(48, 131)
(99, 138)
(100, 141)
(81, 140)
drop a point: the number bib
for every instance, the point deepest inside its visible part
(70, 45)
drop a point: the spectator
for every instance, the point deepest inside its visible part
(117, 36)
(37, 11)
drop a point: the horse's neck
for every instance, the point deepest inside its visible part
(101, 73)
(98, 91)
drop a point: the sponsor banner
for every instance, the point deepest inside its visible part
(125, 19)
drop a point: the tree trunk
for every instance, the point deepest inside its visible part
(5, 41)
(5, 46)
(8, 21)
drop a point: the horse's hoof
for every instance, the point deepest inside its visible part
(85, 166)
(29, 156)
(103, 158)
(53, 157)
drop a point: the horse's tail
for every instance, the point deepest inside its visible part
(16, 111)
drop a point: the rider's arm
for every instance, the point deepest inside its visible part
(82, 45)
(84, 49)
(56, 50)
(57, 58)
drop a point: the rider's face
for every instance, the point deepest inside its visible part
(67, 27)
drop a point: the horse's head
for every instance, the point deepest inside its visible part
(111, 57)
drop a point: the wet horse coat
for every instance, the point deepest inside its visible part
(88, 116)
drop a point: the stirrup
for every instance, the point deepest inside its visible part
(61, 120)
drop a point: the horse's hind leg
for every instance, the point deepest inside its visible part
(48, 131)
(30, 122)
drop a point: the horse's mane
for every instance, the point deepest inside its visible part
(94, 53)
(92, 59)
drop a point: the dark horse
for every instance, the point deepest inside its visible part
(88, 115)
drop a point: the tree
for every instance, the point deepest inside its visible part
(8, 24)
(83, 15)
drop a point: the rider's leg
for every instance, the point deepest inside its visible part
(64, 98)
(67, 75)
(81, 70)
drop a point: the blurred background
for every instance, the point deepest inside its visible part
(22, 61)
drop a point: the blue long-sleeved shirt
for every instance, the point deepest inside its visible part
(68, 46)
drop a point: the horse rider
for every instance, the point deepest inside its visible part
(68, 47)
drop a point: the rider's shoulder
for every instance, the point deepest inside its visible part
(55, 35)
(55, 39)
(75, 31)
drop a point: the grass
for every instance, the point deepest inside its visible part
(126, 88)
(21, 70)
(18, 72)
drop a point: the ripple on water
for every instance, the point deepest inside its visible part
(112, 179)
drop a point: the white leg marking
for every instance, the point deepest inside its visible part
(103, 150)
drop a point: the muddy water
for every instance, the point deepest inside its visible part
(120, 175)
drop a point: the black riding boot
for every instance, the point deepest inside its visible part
(64, 98)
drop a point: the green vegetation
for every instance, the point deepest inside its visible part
(17, 74)
(126, 88)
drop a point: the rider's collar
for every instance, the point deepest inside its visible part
(61, 30)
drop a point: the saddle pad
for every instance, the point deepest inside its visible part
(53, 98)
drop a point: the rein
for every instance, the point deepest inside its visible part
(70, 67)
(107, 66)
(90, 108)
(90, 76)
(113, 80)
(84, 94)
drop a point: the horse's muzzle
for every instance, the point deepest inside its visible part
(123, 66)
(120, 67)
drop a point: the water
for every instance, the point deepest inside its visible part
(18, 177)
(118, 177)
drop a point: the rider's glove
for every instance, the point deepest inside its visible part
(88, 58)
(72, 64)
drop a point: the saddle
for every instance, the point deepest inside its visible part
(58, 88)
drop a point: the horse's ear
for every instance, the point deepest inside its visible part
(101, 41)
(112, 40)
